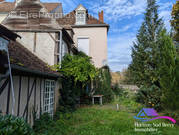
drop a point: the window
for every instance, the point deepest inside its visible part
(80, 17)
(64, 49)
(83, 45)
(49, 97)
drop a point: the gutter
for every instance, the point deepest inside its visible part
(35, 72)
(36, 30)
(91, 25)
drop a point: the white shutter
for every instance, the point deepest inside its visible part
(83, 45)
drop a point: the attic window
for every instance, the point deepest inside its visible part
(80, 17)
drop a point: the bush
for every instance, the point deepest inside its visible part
(102, 85)
(11, 125)
(173, 114)
(70, 95)
(77, 71)
(117, 90)
(42, 124)
(150, 97)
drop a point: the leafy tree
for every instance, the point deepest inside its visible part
(144, 53)
(175, 21)
(168, 70)
(78, 66)
(77, 72)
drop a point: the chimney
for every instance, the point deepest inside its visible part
(101, 16)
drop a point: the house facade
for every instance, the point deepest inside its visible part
(35, 86)
(90, 34)
(41, 34)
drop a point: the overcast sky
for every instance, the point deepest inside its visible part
(124, 18)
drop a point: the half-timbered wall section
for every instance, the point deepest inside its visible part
(30, 98)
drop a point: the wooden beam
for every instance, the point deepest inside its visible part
(35, 93)
(28, 87)
(8, 98)
(28, 99)
(52, 37)
(35, 41)
(4, 85)
(40, 96)
(19, 96)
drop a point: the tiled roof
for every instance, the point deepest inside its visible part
(52, 6)
(30, 19)
(21, 56)
(9, 6)
(70, 19)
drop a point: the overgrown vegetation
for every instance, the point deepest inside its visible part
(102, 84)
(11, 125)
(43, 124)
(104, 120)
(77, 72)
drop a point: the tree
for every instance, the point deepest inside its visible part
(102, 84)
(78, 67)
(77, 72)
(175, 21)
(168, 70)
(144, 52)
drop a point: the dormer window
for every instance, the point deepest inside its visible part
(80, 15)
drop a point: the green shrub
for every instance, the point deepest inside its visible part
(173, 114)
(150, 97)
(102, 85)
(11, 125)
(117, 90)
(77, 71)
(43, 124)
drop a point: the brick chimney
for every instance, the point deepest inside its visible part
(101, 16)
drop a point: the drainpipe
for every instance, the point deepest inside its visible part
(60, 47)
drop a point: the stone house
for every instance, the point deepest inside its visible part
(90, 33)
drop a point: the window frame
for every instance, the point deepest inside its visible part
(49, 97)
(84, 37)
(79, 19)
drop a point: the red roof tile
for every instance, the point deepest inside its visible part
(70, 19)
(21, 56)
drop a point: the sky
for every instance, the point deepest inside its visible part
(125, 18)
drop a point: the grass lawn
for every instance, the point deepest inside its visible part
(102, 120)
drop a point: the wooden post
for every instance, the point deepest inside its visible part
(93, 100)
(19, 96)
(8, 98)
(101, 100)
